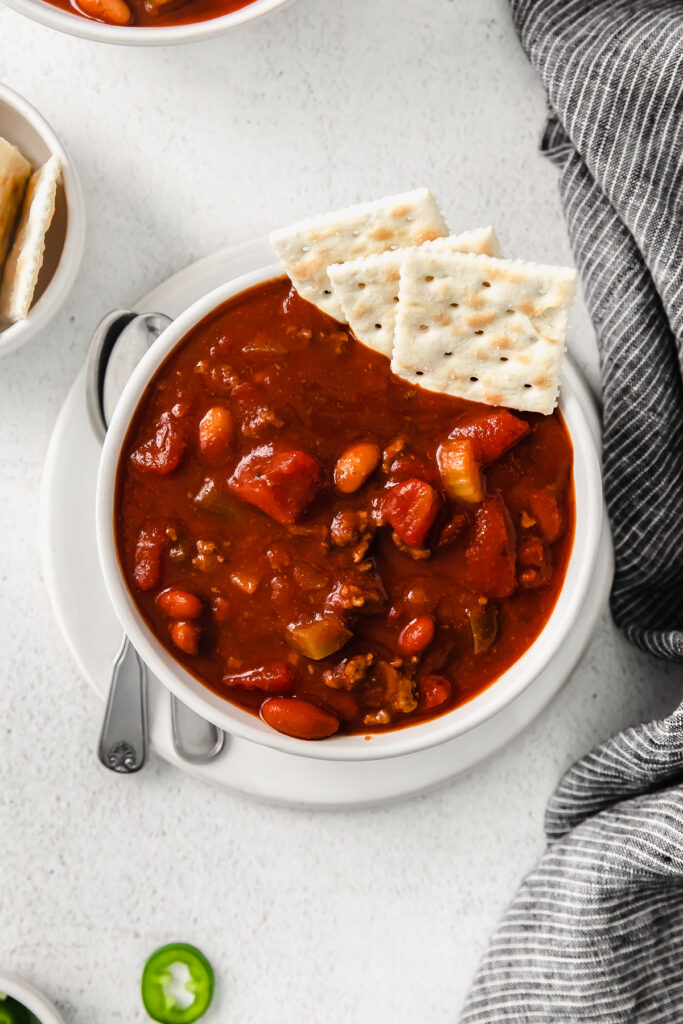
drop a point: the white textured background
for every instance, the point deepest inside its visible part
(363, 917)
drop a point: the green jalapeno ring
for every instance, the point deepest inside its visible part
(159, 1003)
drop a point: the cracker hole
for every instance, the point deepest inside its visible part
(395, 298)
(503, 359)
(474, 379)
(509, 310)
(486, 284)
(356, 232)
(419, 373)
(527, 385)
(378, 327)
(361, 284)
(327, 291)
(429, 277)
(478, 332)
(454, 305)
(424, 327)
(448, 354)
(305, 248)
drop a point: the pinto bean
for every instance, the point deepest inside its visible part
(185, 635)
(179, 604)
(299, 718)
(215, 431)
(355, 466)
(114, 12)
(416, 636)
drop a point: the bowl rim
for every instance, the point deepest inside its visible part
(62, 281)
(500, 693)
(75, 25)
(30, 997)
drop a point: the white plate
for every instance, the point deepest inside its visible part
(92, 631)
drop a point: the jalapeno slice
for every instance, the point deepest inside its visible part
(12, 1012)
(177, 984)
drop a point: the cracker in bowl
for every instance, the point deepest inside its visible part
(367, 288)
(22, 266)
(485, 329)
(14, 173)
(308, 248)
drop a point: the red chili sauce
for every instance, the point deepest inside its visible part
(323, 543)
(150, 13)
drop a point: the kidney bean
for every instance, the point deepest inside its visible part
(276, 677)
(215, 431)
(185, 635)
(299, 718)
(355, 466)
(434, 690)
(148, 553)
(343, 704)
(416, 636)
(222, 612)
(179, 604)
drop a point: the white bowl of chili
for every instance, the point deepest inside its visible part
(365, 744)
(170, 28)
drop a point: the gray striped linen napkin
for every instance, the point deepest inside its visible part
(596, 931)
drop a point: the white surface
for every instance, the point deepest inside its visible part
(71, 569)
(353, 917)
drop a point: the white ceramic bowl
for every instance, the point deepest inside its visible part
(589, 510)
(30, 997)
(75, 25)
(24, 127)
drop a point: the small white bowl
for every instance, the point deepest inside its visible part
(589, 518)
(34, 1001)
(23, 126)
(86, 28)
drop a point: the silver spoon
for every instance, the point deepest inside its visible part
(118, 344)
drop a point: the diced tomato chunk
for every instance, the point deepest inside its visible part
(163, 452)
(490, 557)
(148, 553)
(275, 677)
(281, 482)
(411, 508)
(493, 433)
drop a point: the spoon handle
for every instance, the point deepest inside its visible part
(123, 740)
(194, 739)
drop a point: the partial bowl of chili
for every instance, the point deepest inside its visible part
(145, 22)
(287, 536)
(22, 1003)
